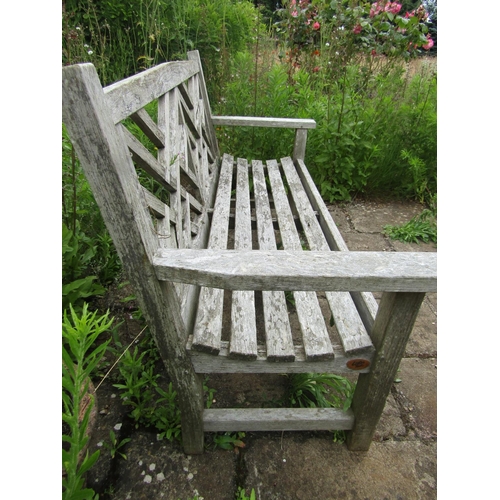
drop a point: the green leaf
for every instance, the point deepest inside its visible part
(88, 462)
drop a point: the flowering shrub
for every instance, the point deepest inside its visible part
(348, 30)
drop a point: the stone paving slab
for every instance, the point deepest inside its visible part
(418, 391)
(302, 469)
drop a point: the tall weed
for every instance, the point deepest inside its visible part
(364, 122)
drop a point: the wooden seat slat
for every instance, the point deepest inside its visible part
(208, 326)
(312, 324)
(347, 320)
(243, 325)
(279, 340)
(365, 301)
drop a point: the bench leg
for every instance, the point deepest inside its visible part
(394, 322)
(191, 406)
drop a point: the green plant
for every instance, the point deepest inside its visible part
(77, 253)
(241, 494)
(209, 392)
(323, 390)
(151, 404)
(89, 257)
(80, 356)
(422, 227)
(113, 446)
(228, 441)
(320, 390)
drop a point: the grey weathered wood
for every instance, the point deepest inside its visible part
(206, 363)
(149, 127)
(301, 270)
(394, 322)
(243, 325)
(351, 329)
(156, 206)
(128, 96)
(258, 121)
(365, 302)
(209, 127)
(208, 325)
(314, 333)
(299, 145)
(277, 419)
(279, 340)
(103, 154)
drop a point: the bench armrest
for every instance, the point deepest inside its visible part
(302, 270)
(257, 121)
(299, 124)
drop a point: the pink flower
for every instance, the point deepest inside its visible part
(357, 29)
(429, 44)
(380, 6)
(392, 7)
(316, 26)
(294, 13)
(396, 7)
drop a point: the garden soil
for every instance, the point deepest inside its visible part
(401, 462)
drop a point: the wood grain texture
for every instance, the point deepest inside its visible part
(149, 127)
(208, 325)
(365, 302)
(314, 333)
(243, 326)
(276, 419)
(349, 325)
(299, 145)
(299, 270)
(131, 94)
(206, 363)
(208, 127)
(393, 325)
(257, 121)
(279, 340)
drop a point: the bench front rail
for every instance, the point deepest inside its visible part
(237, 266)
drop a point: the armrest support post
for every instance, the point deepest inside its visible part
(299, 146)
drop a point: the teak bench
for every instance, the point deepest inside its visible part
(212, 254)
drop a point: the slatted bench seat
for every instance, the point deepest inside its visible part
(237, 265)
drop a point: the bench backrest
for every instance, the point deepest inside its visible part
(167, 165)
(156, 185)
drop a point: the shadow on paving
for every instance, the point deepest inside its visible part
(401, 463)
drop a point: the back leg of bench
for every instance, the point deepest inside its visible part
(392, 328)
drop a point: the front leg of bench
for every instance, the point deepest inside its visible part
(392, 328)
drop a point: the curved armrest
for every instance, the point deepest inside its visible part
(302, 270)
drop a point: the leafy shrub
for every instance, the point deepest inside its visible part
(77, 253)
(89, 257)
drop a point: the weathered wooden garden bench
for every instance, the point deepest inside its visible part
(211, 254)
